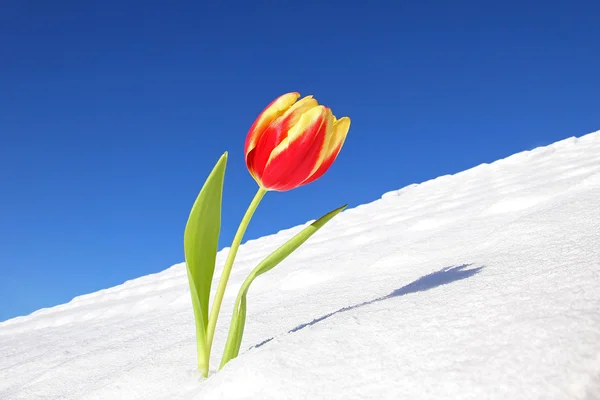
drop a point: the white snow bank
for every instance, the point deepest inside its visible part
(484, 284)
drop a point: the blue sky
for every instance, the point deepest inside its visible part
(113, 113)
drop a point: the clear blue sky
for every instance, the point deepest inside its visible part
(112, 114)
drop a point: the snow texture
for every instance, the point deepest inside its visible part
(480, 285)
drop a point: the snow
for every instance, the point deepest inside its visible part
(480, 285)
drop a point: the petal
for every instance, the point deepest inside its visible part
(273, 111)
(275, 133)
(340, 131)
(292, 161)
(269, 140)
(293, 114)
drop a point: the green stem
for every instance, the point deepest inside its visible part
(214, 312)
(233, 328)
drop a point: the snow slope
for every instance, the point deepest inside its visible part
(480, 285)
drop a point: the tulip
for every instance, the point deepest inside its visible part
(293, 143)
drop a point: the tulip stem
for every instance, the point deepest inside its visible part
(214, 313)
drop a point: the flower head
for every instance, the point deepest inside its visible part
(293, 142)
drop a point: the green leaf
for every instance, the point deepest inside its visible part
(238, 319)
(200, 242)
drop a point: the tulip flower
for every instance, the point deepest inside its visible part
(291, 143)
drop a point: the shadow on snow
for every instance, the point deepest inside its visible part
(438, 278)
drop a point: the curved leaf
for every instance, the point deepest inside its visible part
(200, 242)
(238, 319)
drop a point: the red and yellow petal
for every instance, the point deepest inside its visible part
(277, 131)
(273, 111)
(294, 158)
(271, 138)
(334, 146)
(293, 114)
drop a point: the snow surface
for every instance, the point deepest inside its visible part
(480, 285)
